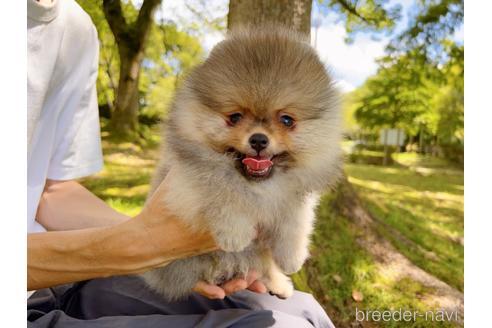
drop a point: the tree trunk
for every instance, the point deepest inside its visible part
(131, 39)
(124, 120)
(421, 140)
(295, 14)
(398, 147)
(385, 148)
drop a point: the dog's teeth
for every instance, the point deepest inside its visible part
(259, 172)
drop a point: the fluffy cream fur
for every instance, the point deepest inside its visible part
(262, 224)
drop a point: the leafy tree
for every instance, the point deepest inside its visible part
(449, 103)
(168, 55)
(417, 86)
(350, 103)
(363, 16)
(131, 35)
(434, 23)
(395, 96)
(109, 61)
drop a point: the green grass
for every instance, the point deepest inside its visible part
(124, 181)
(419, 202)
(420, 198)
(427, 210)
(339, 266)
(414, 160)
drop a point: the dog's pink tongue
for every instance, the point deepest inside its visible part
(257, 164)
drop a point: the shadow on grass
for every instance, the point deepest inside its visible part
(338, 266)
(427, 211)
(447, 260)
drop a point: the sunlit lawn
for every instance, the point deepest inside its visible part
(124, 181)
(421, 214)
(419, 198)
(339, 266)
(425, 205)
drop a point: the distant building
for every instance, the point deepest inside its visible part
(392, 137)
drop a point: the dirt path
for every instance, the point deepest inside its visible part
(389, 260)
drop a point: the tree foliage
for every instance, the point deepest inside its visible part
(363, 15)
(168, 55)
(449, 103)
(396, 96)
(419, 84)
(109, 61)
(412, 94)
(436, 21)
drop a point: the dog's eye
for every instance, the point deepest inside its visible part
(287, 120)
(234, 118)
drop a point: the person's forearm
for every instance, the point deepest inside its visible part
(60, 257)
(67, 205)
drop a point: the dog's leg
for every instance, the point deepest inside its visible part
(231, 227)
(176, 280)
(290, 242)
(276, 282)
(230, 241)
(232, 230)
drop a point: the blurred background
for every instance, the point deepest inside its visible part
(390, 236)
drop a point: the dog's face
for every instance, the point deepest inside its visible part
(259, 141)
(265, 101)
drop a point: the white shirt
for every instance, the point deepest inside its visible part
(63, 138)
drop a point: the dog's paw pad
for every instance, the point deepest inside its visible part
(278, 296)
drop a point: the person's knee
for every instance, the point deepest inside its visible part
(311, 310)
(306, 301)
(286, 320)
(300, 305)
(266, 318)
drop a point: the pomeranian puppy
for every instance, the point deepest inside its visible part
(252, 137)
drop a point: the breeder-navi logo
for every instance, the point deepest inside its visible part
(405, 315)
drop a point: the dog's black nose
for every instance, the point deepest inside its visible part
(258, 141)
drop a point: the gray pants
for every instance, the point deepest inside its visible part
(125, 302)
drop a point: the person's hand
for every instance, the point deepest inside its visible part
(250, 282)
(166, 233)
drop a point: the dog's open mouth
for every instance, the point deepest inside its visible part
(257, 166)
(253, 167)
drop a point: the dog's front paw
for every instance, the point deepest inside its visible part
(281, 286)
(290, 262)
(234, 241)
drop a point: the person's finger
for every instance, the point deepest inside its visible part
(209, 291)
(234, 285)
(258, 287)
(254, 284)
(252, 276)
